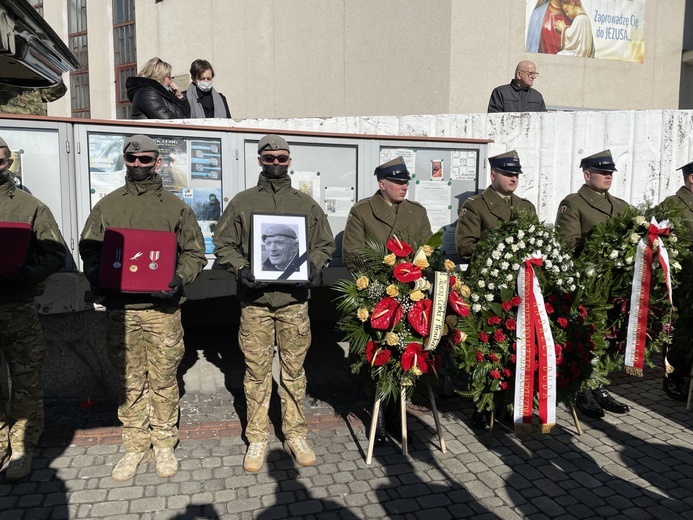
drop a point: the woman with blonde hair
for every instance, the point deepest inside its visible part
(154, 95)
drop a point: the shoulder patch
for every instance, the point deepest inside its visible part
(562, 209)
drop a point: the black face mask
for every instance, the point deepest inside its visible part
(3, 175)
(140, 173)
(275, 171)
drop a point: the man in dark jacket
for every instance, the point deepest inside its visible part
(145, 335)
(21, 340)
(518, 96)
(271, 310)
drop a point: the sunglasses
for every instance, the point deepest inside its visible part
(144, 159)
(269, 159)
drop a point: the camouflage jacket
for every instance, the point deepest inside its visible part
(143, 205)
(46, 253)
(29, 101)
(232, 236)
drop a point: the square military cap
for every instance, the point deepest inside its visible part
(394, 170)
(601, 161)
(508, 162)
(687, 169)
(140, 144)
(279, 230)
(3, 144)
(272, 142)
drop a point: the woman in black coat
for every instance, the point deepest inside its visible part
(203, 98)
(154, 95)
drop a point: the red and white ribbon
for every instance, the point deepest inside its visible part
(533, 338)
(636, 339)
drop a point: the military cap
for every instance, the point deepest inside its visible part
(279, 230)
(508, 162)
(140, 144)
(600, 161)
(3, 144)
(687, 169)
(272, 142)
(394, 170)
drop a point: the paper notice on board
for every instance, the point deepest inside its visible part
(307, 182)
(435, 197)
(339, 193)
(463, 165)
(338, 200)
(409, 156)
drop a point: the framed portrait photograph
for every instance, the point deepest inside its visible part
(279, 248)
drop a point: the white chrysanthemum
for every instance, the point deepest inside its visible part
(489, 297)
(484, 271)
(476, 308)
(520, 234)
(501, 247)
(531, 240)
(496, 255)
(489, 262)
(676, 266)
(556, 269)
(504, 265)
(539, 242)
(509, 277)
(572, 288)
(509, 240)
(673, 239)
(481, 283)
(531, 228)
(559, 282)
(491, 286)
(629, 260)
(549, 264)
(475, 297)
(508, 256)
(674, 252)
(613, 255)
(521, 244)
(564, 268)
(503, 286)
(514, 248)
(639, 220)
(494, 273)
(545, 234)
(590, 272)
(634, 238)
(516, 267)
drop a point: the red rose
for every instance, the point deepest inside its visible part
(386, 314)
(493, 320)
(582, 311)
(558, 348)
(495, 374)
(479, 356)
(406, 272)
(483, 337)
(493, 357)
(458, 305)
(513, 346)
(377, 356)
(515, 301)
(506, 373)
(419, 316)
(562, 322)
(504, 385)
(414, 355)
(510, 324)
(399, 248)
(499, 336)
(506, 306)
(549, 308)
(513, 358)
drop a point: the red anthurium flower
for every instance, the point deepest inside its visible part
(414, 357)
(377, 356)
(406, 272)
(419, 316)
(452, 281)
(386, 314)
(458, 305)
(399, 248)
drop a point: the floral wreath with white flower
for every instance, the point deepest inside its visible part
(390, 318)
(654, 241)
(490, 355)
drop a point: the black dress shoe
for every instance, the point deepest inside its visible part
(479, 420)
(606, 401)
(380, 435)
(588, 405)
(674, 388)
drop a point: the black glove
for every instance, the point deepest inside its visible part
(176, 286)
(313, 278)
(96, 289)
(12, 281)
(248, 279)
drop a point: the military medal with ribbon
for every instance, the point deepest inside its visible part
(154, 256)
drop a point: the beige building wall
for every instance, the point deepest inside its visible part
(317, 58)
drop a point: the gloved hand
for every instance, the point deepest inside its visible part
(248, 279)
(176, 286)
(96, 289)
(29, 274)
(12, 281)
(313, 278)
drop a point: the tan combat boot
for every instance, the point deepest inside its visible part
(298, 448)
(127, 466)
(166, 463)
(19, 466)
(255, 456)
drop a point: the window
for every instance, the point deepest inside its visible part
(124, 53)
(77, 41)
(38, 5)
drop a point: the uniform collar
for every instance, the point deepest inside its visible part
(273, 185)
(149, 186)
(8, 187)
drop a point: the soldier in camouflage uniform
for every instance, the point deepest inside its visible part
(145, 335)
(273, 312)
(21, 340)
(29, 101)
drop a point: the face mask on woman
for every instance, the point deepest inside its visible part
(204, 86)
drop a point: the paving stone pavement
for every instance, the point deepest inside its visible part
(635, 466)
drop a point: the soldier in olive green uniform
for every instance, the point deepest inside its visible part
(21, 340)
(678, 355)
(29, 101)
(384, 215)
(577, 215)
(480, 213)
(270, 311)
(145, 336)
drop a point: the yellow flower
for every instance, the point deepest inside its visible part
(392, 290)
(362, 314)
(362, 283)
(445, 329)
(456, 286)
(465, 291)
(427, 286)
(391, 339)
(390, 259)
(451, 320)
(421, 263)
(449, 265)
(428, 250)
(415, 296)
(415, 370)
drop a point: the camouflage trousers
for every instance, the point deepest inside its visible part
(260, 327)
(146, 347)
(21, 344)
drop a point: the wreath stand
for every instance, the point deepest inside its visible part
(403, 419)
(492, 421)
